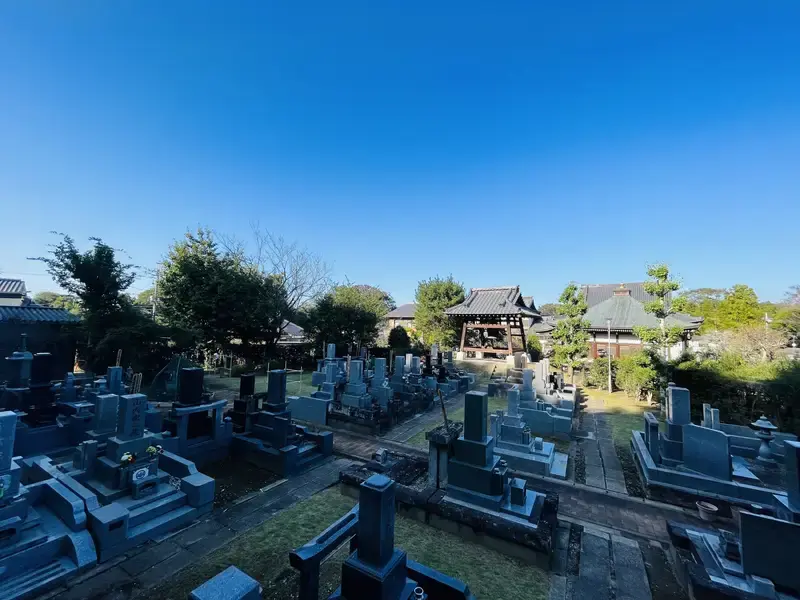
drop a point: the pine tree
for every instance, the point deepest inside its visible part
(570, 336)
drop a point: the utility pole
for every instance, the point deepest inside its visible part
(155, 296)
(608, 354)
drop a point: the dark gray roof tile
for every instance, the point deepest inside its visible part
(505, 300)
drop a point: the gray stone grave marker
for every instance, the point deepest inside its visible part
(707, 451)
(8, 431)
(132, 409)
(105, 413)
(678, 406)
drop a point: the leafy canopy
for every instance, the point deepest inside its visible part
(662, 287)
(347, 315)
(56, 300)
(398, 338)
(230, 304)
(433, 297)
(570, 336)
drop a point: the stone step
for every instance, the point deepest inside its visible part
(161, 524)
(156, 508)
(163, 490)
(28, 583)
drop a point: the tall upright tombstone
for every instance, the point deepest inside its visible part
(114, 377)
(678, 416)
(376, 569)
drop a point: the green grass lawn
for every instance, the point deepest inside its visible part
(624, 414)
(263, 553)
(297, 384)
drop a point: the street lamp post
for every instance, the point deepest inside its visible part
(608, 354)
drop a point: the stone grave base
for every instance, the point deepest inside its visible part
(512, 536)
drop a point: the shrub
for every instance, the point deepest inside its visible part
(534, 348)
(398, 338)
(639, 374)
(598, 373)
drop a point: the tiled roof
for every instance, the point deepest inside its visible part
(404, 311)
(12, 287)
(493, 301)
(36, 314)
(293, 330)
(626, 312)
(596, 293)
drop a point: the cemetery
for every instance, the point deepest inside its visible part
(93, 472)
(351, 397)
(760, 561)
(715, 460)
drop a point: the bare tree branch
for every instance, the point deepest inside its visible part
(304, 275)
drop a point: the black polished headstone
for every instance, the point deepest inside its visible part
(247, 385)
(276, 390)
(476, 411)
(190, 386)
(42, 368)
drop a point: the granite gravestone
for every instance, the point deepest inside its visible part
(376, 569)
(769, 549)
(792, 467)
(105, 413)
(476, 405)
(130, 423)
(651, 436)
(114, 380)
(707, 451)
(678, 406)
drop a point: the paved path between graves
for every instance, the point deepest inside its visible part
(424, 421)
(603, 469)
(132, 574)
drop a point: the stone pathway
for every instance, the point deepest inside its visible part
(601, 566)
(132, 574)
(603, 469)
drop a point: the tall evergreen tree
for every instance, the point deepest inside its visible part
(570, 336)
(661, 286)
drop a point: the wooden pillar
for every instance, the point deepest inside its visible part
(508, 333)
(463, 336)
(522, 330)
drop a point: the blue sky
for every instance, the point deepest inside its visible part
(505, 143)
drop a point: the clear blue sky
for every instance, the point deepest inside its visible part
(511, 142)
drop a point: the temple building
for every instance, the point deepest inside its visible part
(619, 309)
(494, 321)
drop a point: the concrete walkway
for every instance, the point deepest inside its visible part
(130, 575)
(603, 469)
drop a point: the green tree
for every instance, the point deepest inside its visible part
(739, 308)
(548, 310)
(662, 287)
(570, 336)
(145, 297)
(704, 302)
(433, 297)
(347, 315)
(534, 347)
(638, 374)
(230, 304)
(98, 280)
(398, 338)
(56, 300)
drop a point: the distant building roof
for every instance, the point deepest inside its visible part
(12, 287)
(626, 312)
(36, 314)
(499, 301)
(293, 330)
(404, 311)
(595, 293)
